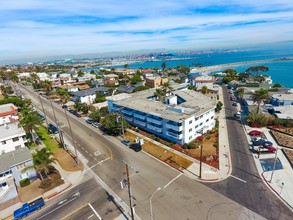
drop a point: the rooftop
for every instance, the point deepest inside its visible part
(7, 109)
(204, 78)
(190, 103)
(286, 112)
(10, 130)
(13, 158)
(282, 96)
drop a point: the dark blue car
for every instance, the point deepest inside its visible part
(53, 129)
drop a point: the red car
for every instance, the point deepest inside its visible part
(255, 133)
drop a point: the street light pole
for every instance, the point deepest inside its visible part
(151, 207)
(122, 126)
(274, 167)
(43, 109)
(73, 141)
(200, 161)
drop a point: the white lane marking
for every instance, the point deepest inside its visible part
(95, 159)
(62, 201)
(90, 216)
(99, 162)
(95, 211)
(91, 155)
(57, 208)
(238, 178)
(173, 180)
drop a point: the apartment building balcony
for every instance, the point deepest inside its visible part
(141, 123)
(142, 117)
(128, 118)
(157, 129)
(174, 127)
(127, 112)
(174, 135)
(155, 121)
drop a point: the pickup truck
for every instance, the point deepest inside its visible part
(269, 149)
(28, 208)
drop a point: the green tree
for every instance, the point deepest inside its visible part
(30, 121)
(35, 78)
(80, 73)
(254, 70)
(85, 108)
(135, 79)
(231, 73)
(164, 65)
(104, 111)
(113, 124)
(77, 105)
(64, 96)
(47, 85)
(219, 106)
(167, 87)
(183, 69)
(126, 66)
(227, 79)
(277, 85)
(204, 90)
(240, 92)
(42, 159)
(93, 72)
(96, 115)
(159, 93)
(100, 98)
(140, 88)
(259, 96)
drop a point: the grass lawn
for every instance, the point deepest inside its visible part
(50, 143)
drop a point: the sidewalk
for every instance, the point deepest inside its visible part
(280, 181)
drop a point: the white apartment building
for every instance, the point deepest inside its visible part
(182, 117)
(204, 80)
(12, 138)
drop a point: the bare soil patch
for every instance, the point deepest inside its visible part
(31, 191)
(66, 161)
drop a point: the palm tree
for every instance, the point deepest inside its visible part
(204, 90)
(30, 122)
(259, 96)
(42, 159)
(159, 93)
(64, 96)
(47, 86)
(167, 87)
(241, 93)
(35, 77)
(164, 65)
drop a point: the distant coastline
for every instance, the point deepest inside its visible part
(230, 65)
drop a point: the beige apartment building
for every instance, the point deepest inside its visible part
(155, 82)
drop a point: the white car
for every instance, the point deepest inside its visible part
(237, 114)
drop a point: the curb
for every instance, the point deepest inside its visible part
(56, 193)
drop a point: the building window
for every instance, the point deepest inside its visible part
(196, 126)
(212, 117)
(207, 120)
(196, 118)
(17, 147)
(201, 116)
(190, 122)
(190, 137)
(200, 124)
(20, 166)
(3, 142)
(190, 129)
(15, 139)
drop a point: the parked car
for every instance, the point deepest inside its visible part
(237, 114)
(52, 129)
(89, 120)
(74, 113)
(27, 208)
(64, 106)
(269, 149)
(136, 147)
(234, 103)
(42, 116)
(255, 133)
(95, 124)
(232, 98)
(126, 142)
(262, 142)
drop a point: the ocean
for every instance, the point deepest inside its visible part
(280, 71)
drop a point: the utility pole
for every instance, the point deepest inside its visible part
(200, 160)
(129, 191)
(57, 124)
(43, 109)
(77, 161)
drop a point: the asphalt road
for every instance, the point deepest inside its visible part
(85, 201)
(179, 197)
(248, 190)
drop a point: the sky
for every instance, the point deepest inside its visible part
(42, 28)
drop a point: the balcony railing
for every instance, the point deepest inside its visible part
(139, 116)
(177, 136)
(127, 112)
(174, 127)
(154, 128)
(139, 123)
(128, 118)
(155, 121)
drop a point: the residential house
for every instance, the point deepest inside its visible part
(125, 88)
(86, 96)
(203, 80)
(12, 137)
(111, 79)
(155, 82)
(43, 76)
(68, 88)
(97, 83)
(12, 172)
(81, 85)
(281, 99)
(8, 113)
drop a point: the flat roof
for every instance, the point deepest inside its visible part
(286, 111)
(13, 158)
(194, 103)
(10, 130)
(7, 108)
(283, 96)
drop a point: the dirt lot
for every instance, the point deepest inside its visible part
(66, 161)
(167, 156)
(283, 139)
